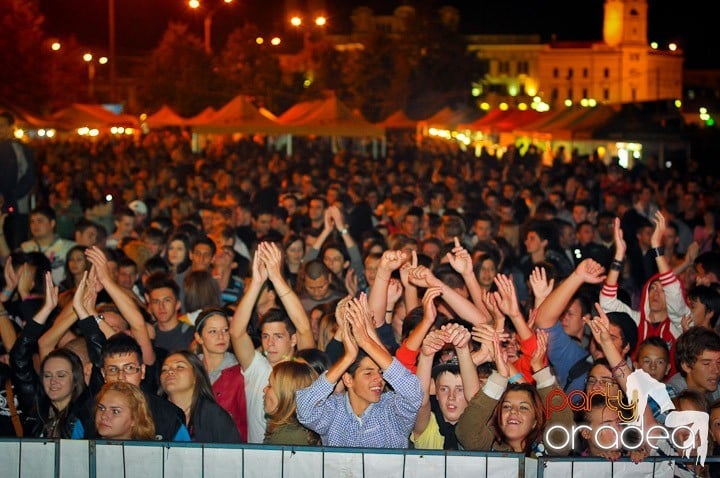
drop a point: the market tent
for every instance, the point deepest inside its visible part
(239, 115)
(513, 120)
(583, 126)
(398, 120)
(165, 117)
(80, 115)
(540, 129)
(328, 117)
(23, 118)
(202, 117)
(484, 120)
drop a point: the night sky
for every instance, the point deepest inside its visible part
(141, 23)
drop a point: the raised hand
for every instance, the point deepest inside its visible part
(26, 281)
(259, 271)
(423, 277)
(392, 260)
(271, 256)
(656, 240)
(459, 258)
(458, 335)
(348, 340)
(51, 293)
(78, 303)
(357, 315)
(506, 297)
(501, 358)
(539, 357)
(328, 221)
(395, 292)
(490, 304)
(591, 272)
(11, 276)
(99, 262)
(600, 327)
(434, 342)
(540, 286)
(351, 282)
(428, 302)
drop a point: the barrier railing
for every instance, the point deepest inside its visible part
(33, 458)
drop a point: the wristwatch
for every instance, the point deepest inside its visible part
(99, 318)
(344, 231)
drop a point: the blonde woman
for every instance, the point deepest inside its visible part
(122, 413)
(283, 427)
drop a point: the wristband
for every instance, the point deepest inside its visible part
(616, 265)
(344, 231)
(515, 378)
(99, 318)
(388, 311)
(618, 367)
(7, 292)
(657, 251)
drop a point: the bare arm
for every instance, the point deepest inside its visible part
(550, 310)
(507, 301)
(461, 261)
(423, 277)
(271, 256)
(432, 344)
(124, 302)
(241, 341)
(377, 301)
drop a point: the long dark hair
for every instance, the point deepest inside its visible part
(535, 435)
(59, 424)
(203, 388)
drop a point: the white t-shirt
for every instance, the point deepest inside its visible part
(256, 378)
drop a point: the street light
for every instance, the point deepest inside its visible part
(196, 4)
(88, 58)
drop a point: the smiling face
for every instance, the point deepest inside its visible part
(57, 379)
(113, 417)
(365, 386)
(450, 396)
(517, 415)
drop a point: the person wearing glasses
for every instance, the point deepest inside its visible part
(121, 357)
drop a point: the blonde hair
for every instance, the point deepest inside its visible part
(143, 427)
(288, 377)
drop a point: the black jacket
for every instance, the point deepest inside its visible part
(167, 416)
(32, 398)
(212, 424)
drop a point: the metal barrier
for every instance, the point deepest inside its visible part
(37, 458)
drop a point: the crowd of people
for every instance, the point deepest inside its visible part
(429, 299)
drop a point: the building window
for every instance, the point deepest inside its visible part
(523, 67)
(570, 93)
(556, 72)
(570, 73)
(585, 93)
(585, 72)
(606, 72)
(503, 67)
(554, 94)
(606, 94)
